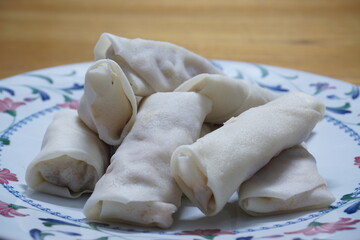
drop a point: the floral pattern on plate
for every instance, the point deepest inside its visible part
(28, 101)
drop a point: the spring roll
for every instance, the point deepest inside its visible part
(71, 160)
(108, 105)
(152, 66)
(138, 186)
(230, 96)
(210, 170)
(289, 182)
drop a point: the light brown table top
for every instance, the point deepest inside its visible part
(318, 36)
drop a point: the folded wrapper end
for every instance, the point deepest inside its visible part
(102, 45)
(108, 105)
(192, 181)
(55, 190)
(106, 48)
(318, 198)
(318, 106)
(290, 182)
(147, 214)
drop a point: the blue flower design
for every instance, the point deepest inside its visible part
(37, 234)
(244, 238)
(8, 90)
(353, 208)
(334, 97)
(70, 233)
(43, 95)
(76, 86)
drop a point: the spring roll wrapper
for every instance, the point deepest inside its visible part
(289, 182)
(71, 160)
(230, 96)
(138, 186)
(152, 66)
(210, 170)
(108, 105)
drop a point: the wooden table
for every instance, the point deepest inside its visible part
(318, 36)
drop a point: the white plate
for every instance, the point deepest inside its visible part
(28, 101)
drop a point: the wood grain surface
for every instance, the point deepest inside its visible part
(318, 36)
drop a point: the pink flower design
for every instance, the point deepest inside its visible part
(6, 176)
(317, 227)
(8, 106)
(9, 210)
(73, 104)
(357, 161)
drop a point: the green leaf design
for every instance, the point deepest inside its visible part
(340, 110)
(49, 222)
(11, 113)
(102, 238)
(354, 92)
(72, 73)
(348, 197)
(43, 77)
(264, 72)
(210, 237)
(316, 224)
(16, 207)
(33, 90)
(67, 98)
(96, 225)
(345, 106)
(239, 75)
(43, 235)
(5, 141)
(289, 77)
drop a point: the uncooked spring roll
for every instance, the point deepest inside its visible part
(71, 160)
(138, 186)
(289, 182)
(108, 105)
(152, 66)
(230, 96)
(210, 170)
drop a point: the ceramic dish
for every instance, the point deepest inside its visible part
(28, 101)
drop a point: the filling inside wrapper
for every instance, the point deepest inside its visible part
(64, 171)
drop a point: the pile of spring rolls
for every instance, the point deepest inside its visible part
(157, 121)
